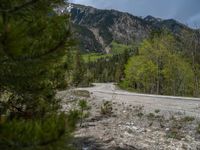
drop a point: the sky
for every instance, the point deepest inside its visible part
(185, 11)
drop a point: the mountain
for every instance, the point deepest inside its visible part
(96, 28)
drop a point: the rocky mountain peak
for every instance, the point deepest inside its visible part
(150, 18)
(96, 28)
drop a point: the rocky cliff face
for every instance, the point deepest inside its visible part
(96, 28)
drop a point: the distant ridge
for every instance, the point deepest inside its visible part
(96, 28)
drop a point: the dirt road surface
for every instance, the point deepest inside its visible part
(108, 91)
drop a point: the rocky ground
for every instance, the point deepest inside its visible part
(132, 127)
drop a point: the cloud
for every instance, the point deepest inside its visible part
(185, 11)
(194, 21)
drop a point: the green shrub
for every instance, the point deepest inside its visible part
(83, 105)
(157, 111)
(151, 116)
(187, 119)
(175, 133)
(106, 108)
(140, 114)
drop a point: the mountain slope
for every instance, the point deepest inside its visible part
(96, 29)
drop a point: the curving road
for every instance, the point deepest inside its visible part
(167, 104)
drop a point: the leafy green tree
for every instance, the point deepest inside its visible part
(159, 68)
(141, 74)
(191, 48)
(178, 76)
(158, 49)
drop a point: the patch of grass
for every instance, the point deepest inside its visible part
(151, 116)
(187, 119)
(175, 130)
(84, 113)
(82, 93)
(175, 134)
(106, 108)
(157, 111)
(117, 48)
(140, 114)
(138, 108)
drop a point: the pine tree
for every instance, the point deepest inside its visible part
(34, 40)
(78, 69)
(33, 47)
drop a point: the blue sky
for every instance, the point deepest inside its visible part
(185, 11)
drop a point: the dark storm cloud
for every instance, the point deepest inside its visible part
(186, 11)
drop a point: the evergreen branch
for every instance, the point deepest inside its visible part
(17, 108)
(58, 46)
(52, 50)
(45, 143)
(23, 6)
(36, 57)
(17, 8)
(5, 35)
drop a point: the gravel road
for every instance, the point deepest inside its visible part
(184, 105)
(137, 121)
